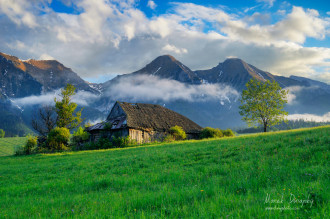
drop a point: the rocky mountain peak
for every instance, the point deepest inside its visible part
(168, 67)
(16, 61)
(46, 64)
(17, 77)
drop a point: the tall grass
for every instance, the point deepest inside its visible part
(229, 178)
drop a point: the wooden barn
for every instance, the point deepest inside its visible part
(142, 122)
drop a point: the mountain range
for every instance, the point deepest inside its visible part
(22, 79)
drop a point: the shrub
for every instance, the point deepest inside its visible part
(169, 138)
(79, 137)
(209, 132)
(58, 139)
(104, 143)
(29, 147)
(2, 133)
(31, 144)
(178, 133)
(228, 133)
(120, 142)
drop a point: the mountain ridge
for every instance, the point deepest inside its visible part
(232, 71)
(49, 75)
(22, 78)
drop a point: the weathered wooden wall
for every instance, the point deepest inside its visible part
(141, 136)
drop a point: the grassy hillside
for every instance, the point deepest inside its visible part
(229, 178)
(8, 145)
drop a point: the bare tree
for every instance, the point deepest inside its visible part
(44, 120)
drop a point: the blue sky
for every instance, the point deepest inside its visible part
(99, 39)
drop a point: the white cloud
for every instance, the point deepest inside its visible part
(19, 12)
(114, 37)
(82, 98)
(45, 56)
(45, 99)
(268, 2)
(293, 90)
(172, 48)
(150, 88)
(310, 117)
(295, 27)
(151, 4)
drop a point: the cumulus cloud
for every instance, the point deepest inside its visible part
(173, 49)
(151, 88)
(296, 27)
(115, 37)
(151, 4)
(310, 117)
(19, 12)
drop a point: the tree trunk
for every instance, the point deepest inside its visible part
(265, 127)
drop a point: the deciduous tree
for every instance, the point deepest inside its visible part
(263, 103)
(44, 120)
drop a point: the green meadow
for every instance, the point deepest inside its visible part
(273, 175)
(8, 145)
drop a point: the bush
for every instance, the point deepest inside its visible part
(178, 133)
(228, 133)
(121, 142)
(2, 133)
(105, 143)
(169, 138)
(29, 147)
(58, 139)
(79, 137)
(209, 132)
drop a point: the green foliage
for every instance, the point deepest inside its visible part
(65, 109)
(169, 138)
(105, 143)
(81, 134)
(79, 137)
(263, 103)
(58, 139)
(107, 126)
(29, 147)
(209, 132)
(30, 144)
(102, 143)
(2, 133)
(228, 133)
(191, 179)
(120, 142)
(178, 133)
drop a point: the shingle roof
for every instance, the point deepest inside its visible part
(156, 117)
(152, 117)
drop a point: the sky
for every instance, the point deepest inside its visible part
(99, 39)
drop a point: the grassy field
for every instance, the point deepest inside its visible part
(241, 177)
(8, 145)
